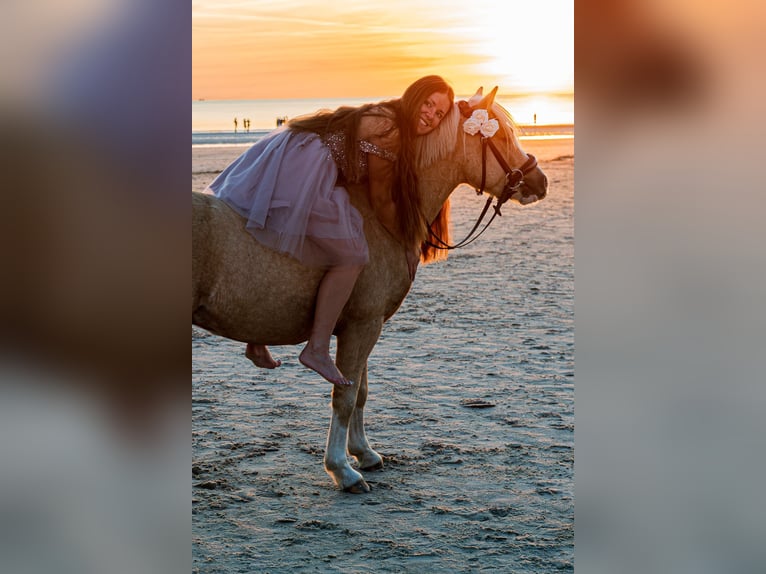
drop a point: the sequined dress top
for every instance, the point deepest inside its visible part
(336, 141)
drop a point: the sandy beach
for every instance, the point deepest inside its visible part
(471, 405)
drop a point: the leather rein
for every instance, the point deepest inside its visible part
(514, 177)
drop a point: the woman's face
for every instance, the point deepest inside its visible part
(432, 112)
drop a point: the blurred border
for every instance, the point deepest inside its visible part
(670, 275)
(95, 252)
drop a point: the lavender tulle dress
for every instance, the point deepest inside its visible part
(286, 186)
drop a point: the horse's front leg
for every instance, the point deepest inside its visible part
(355, 342)
(358, 445)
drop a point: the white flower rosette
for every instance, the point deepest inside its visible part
(481, 115)
(489, 128)
(472, 126)
(479, 122)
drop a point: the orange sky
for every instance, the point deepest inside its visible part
(252, 49)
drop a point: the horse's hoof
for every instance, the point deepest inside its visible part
(360, 487)
(377, 466)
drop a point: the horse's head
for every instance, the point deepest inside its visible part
(494, 159)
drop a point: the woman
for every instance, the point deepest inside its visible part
(291, 188)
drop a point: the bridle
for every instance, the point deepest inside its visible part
(514, 178)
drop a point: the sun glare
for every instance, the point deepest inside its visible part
(528, 56)
(302, 48)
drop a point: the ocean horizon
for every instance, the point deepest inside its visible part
(246, 139)
(213, 121)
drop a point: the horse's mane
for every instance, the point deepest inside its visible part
(507, 124)
(436, 146)
(440, 143)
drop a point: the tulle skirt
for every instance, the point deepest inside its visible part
(285, 186)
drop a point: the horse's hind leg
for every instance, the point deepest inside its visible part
(358, 446)
(354, 345)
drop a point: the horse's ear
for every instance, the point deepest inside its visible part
(476, 98)
(487, 101)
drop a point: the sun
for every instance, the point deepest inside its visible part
(521, 75)
(532, 58)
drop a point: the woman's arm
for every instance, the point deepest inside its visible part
(384, 133)
(379, 128)
(380, 182)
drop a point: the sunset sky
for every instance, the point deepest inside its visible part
(253, 49)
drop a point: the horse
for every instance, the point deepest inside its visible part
(246, 292)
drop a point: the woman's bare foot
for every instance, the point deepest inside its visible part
(260, 356)
(324, 365)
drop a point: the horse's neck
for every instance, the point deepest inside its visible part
(437, 182)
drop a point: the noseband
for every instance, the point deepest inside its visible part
(514, 178)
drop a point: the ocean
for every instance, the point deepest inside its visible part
(540, 116)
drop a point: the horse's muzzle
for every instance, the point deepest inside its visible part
(533, 188)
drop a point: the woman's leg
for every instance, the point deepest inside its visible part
(260, 356)
(334, 291)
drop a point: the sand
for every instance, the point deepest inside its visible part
(471, 405)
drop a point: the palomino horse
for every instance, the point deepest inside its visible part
(246, 292)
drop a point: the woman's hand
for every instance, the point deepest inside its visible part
(413, 258)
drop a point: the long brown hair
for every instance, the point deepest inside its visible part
(413, 226)
(406, 110)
